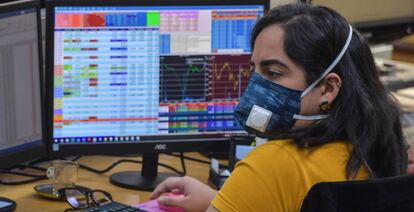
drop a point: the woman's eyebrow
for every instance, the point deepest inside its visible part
(273, 62)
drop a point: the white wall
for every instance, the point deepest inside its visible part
(370, 10)
(274, 3)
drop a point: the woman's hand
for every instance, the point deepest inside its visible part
(197, 196)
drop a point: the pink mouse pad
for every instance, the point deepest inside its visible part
(154, 206)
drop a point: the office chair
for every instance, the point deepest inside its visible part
(386, 194)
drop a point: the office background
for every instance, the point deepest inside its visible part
(392, 57)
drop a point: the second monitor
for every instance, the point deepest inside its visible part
(146, 77)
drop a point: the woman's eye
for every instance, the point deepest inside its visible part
(274, 73)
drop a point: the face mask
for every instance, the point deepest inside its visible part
(267, 108)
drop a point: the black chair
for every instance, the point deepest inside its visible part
(385, 194)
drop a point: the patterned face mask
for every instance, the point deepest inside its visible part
(266, 107)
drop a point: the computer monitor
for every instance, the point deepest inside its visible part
(21, 131)
(146, 77)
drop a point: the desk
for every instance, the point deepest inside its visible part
(402, 77)
(28, 200)
(404, 49)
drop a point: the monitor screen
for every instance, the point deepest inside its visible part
(129, 74)
(20, 84)
(127, 77)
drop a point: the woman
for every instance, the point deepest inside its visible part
(316, 92)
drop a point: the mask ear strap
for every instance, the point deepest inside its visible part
(329, 69)
(310, 118)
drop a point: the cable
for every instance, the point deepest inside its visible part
(38, 161)
(189, 158)
(183, 164)
(76, 158)
(126, 161)
(108, 168)
(34, 179)
(20, 173)
(31, 167)
(196, 160)
(42, 177)
(171, 168)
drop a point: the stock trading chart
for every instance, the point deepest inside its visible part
(121, 72)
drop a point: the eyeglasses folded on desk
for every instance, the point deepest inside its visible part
(93, 200)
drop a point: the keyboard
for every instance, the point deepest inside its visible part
(114, 207)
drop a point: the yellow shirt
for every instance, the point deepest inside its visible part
(277, 175)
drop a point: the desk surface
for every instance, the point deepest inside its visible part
(28, 200)
(402, 77)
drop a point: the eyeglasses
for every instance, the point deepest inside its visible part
(82, 199)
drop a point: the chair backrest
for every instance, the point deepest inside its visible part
(385, 194)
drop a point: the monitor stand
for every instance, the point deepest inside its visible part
(145, 180)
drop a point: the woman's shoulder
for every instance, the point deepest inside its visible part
(288, 151)
(290, 146)
(273, 148)
(282, 146)
(265, 178)
(275, 153)
(270, 147)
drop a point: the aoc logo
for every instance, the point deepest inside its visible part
(160, 147)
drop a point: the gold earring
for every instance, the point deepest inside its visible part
(325, 106)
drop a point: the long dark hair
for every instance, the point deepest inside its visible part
(364, 112)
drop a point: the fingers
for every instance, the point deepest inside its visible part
(176, 191)
(173, 201)
(171, 183)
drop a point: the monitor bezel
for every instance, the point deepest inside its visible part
(153, 144)
(9, 160)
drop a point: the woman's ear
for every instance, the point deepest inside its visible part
(331, 86)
